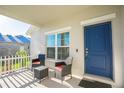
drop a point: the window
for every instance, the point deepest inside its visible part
(51, 46)
(63, 52)
(51, 52)
(51, 40)
(58, 45)
(63, 39)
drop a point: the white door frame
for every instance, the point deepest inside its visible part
(97, 20)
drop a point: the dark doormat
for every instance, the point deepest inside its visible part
(93, 84)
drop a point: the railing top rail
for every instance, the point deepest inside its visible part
(13, 57)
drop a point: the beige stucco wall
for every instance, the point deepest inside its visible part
(122, 39)
(77, 39)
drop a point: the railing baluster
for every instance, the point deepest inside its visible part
(14, 63)
(29, 60)
(8, 64)
(12, 66)
(21, 62)
(26, 61)
(5, 64)
(24, 65)
(2, 62)
(18, 62)
(0, 66)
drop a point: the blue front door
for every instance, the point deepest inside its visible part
(98, 49)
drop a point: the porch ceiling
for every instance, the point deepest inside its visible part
(42, 14)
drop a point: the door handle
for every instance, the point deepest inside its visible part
(86, 52)
(86, 49)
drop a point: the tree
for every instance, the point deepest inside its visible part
(22, 53)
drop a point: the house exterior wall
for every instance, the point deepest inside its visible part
(77, 40)
(37, 45)
(122, 39)
(27, 48)
(7, 49)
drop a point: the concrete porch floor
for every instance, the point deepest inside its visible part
(24, 79)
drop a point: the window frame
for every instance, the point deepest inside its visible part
(56, 46)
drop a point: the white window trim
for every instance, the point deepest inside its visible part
(55, 32)
(60, 30)
(50, 46)
(100, 19)
(56, 50)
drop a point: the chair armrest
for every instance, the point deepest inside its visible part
(59, 63)
(66, 69)
(34, 60)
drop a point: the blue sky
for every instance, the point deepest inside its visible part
(12, 26)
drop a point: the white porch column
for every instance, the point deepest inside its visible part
(37, 45)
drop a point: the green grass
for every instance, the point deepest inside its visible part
(17, 65)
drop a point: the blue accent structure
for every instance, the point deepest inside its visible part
(11, 38)
(98, 44)
(29, 39)
(1, 38)
(23, 39)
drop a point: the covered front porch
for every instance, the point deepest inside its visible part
(59, 32)
(16, 72)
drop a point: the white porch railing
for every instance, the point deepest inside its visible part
(9, 64)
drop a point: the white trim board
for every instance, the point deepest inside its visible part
(98, 19)
(78, 77)
(61, 30)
